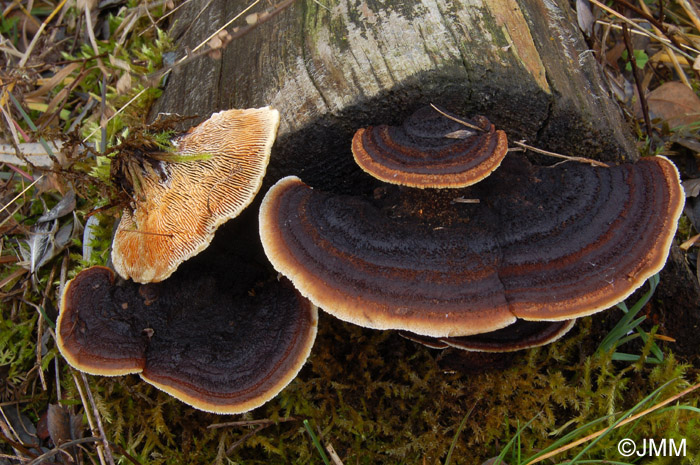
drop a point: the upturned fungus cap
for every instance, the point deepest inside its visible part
(518, 336)
(542, 243)
(183, 203)
(430, 150)
(188, 336)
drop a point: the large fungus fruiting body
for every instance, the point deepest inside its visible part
(179, 205)
(430, 150)
(535, 243)
(188, 336)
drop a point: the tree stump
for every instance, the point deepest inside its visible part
(333, 66)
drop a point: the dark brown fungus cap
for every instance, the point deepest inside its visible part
(183, 203)
(430, 150)
(542, 243)
(518, 336)
(188, 336)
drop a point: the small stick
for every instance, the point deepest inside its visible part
(457, 120)
(100, 455)
(108, 450)
(637, 78)
(463, 200)
(61, 448)
(590, 161)
(334, 455)
(251, 422)
(245, 437)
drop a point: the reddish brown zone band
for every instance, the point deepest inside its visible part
(363, 266)
(393, 156)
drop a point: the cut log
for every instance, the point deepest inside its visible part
(331, 67)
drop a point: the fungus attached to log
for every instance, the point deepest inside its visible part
(178, 205)
(542, 243)
(430, 150)
(188, 336)
(518, 336)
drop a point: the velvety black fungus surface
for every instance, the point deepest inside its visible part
(538, 243)
(189, 335)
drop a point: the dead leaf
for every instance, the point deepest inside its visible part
(691, 187)
(675, 103)
(58, 424)
(124, 83)
(62, 208)
(585, 16)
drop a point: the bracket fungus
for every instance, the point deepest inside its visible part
(541, 243)
(430, 151)
(520, 335)
(188, 336)
(180, 204)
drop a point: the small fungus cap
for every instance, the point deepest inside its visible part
(188, 337)
(430, 151)
(541, 243)
(183, 203)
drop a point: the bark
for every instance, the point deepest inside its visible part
(332, 66)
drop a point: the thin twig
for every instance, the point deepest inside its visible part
(251, 422)
(105, 442)
(244, 438)
(590, 161)
(637, 79)
(457, 120)
(94, 431)
(61, 448)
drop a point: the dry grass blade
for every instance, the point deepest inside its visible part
(35, 39)
(21, 193)
(641, 29)
(622, 423)
(204, 42)
(692, 11)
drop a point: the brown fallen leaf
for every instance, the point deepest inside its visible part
(675, 103)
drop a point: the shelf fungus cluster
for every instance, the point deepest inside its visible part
(501, 265)
(190, 335)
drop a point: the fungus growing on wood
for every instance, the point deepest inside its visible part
(177, 206)
(430, 150)
(518, 336)
(188, 336)
(542, 243)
